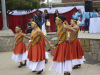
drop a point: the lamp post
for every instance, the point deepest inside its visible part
(4, 15)
(47, 1)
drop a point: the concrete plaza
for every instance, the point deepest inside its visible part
(9, 67)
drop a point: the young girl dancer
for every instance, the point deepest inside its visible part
(77, 51)
(36, 54)
(62, 61)
(20, 53)
(46, 54)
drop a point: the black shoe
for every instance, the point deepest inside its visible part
(20, 66)
(33, 71)
(68, 74)
(79, 65)
(40, 72)
(46, 61)
(75, 67)
(48, 49)
(24, 64)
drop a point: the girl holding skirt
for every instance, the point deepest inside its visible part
(62, 61)
(76, 48)
(20, 51)
(36, 54)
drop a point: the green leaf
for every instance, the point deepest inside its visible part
(21, 5)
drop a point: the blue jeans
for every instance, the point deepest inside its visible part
(87, 24)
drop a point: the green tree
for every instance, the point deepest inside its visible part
(26, 5)
(43, 5)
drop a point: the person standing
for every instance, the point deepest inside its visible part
(20, 51)
(77, 12)
(35, 17)
(36, 53)
(76, 48)
(80, 19)
(87, 18)
(39, 17)
(99, 14)
(94, 14)
(74, 15)
(62, 60)
(55, 15)
(47, 20)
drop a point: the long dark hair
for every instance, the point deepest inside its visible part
(63, 18)
(56, 10)
(46, 11)
(37, 24)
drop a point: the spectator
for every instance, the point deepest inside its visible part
(39, 17)
(94, 14)
(55, 15)
(99, 14)
(80, 19)
(35, 18)
(87, 18)
(83, 21)
(77, 12)
(74, 15)
(47, 21)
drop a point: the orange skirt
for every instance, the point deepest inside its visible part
(77, 50)
(44, 44)
(20, 48)
(63, 52)
(37, 52)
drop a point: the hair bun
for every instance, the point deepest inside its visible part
(19, 27)
(37, 24)
(76, 19)
(65, 18)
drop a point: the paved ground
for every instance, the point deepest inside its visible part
(9, 67)
(87, 35)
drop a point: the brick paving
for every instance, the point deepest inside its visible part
(9, 67)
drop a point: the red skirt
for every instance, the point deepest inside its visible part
(20, 48)
(77, 50)
(44, 44)
(63, 52)
(37, 52)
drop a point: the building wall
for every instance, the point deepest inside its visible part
(65, 1)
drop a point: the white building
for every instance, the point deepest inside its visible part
(52, 1)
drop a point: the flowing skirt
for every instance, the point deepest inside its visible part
(77, 52)
(46, 55)
(20, 53)
(36, 66)
(19, 57)
(36, 56)
(78, 61)
(62, 67)
(20, 48)
(62, 61)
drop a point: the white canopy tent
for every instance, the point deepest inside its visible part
(51, 11)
